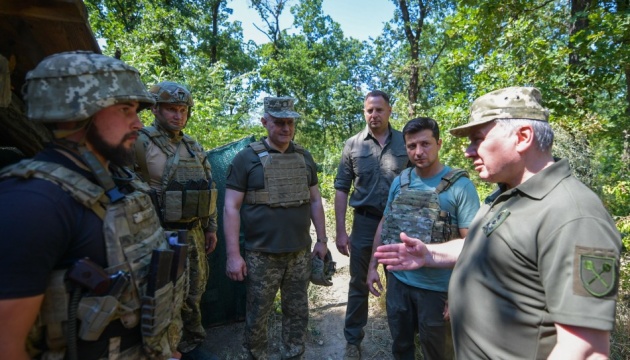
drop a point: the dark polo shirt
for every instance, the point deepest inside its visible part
(371, 169)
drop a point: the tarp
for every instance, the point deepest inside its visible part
(224, 299)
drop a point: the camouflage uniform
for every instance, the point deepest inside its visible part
(174, 165)
(266, 271)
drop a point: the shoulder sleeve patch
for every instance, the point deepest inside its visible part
(595, 272)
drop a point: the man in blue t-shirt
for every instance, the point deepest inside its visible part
(435, 203)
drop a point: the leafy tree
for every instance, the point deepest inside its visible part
(189, 42)
(317, 66)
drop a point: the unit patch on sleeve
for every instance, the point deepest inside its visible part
(595, 272)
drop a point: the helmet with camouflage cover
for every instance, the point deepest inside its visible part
(322, 271)
(73, 86)
(171, 93)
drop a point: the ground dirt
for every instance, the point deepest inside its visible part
(325, 338)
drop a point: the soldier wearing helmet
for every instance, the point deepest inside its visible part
(78, 228)
(177, 169)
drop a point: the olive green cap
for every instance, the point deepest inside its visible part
(508, 103)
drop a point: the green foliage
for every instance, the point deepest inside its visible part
(465, 49)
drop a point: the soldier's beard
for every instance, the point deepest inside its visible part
(117, 155)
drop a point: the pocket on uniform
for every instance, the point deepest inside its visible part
(172, 206)
(204, 203)
(191, 204)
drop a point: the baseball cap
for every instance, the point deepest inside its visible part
(280, 107)
(509, 103)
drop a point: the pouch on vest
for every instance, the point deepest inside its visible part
(157, 304)
(190, 203)
(207, 200)
(173, 199)
(95, 314)
(156, 317)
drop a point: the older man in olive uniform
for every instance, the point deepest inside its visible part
(542, 252)
(272, 191)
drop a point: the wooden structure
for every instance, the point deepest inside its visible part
(30, 30)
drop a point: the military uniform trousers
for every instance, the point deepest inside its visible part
(193, 332)
(412, 310)
(266, 273)
(362, 238)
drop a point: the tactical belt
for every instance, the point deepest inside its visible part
(367, 213)
(182, 225)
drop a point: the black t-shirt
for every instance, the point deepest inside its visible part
(43, 228)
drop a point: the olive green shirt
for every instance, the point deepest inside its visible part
(542, 253)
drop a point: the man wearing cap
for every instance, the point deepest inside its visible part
(177, 169)
(79, 231)
(271, 189)
(369, 162)
(542, 254)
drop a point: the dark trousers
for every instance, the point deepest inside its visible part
(411, 309)
(362, 237)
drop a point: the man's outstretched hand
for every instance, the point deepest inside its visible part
(409, 255)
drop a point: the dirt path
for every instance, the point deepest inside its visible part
(325, 339)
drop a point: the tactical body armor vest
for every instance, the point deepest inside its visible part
(132, 231)
(418, 213)
(286, 180)
(187, 192)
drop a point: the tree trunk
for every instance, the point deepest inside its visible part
(215, 31)
(623, 6)
(577, 54)
(413, 37)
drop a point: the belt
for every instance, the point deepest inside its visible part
(367, 214)
(182, 225)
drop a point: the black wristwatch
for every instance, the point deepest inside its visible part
(324, 240)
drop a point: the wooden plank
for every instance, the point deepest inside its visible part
(55, 10)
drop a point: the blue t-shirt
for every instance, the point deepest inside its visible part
(460, 200)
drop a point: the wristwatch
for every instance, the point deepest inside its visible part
(324, 240)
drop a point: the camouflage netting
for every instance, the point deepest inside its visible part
(224, 300)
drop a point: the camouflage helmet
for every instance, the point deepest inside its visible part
(171, 93)
(322, 271)
(73, 86)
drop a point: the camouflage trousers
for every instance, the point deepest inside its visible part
(266, 273)
(193, 332)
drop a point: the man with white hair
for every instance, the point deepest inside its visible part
(537, 276)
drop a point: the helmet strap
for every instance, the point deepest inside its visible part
(63, 133)
(101, 174)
